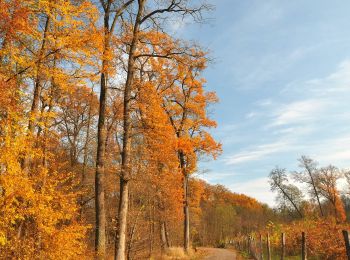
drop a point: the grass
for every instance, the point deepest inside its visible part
(275, 256)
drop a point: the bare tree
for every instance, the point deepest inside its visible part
(308, 176)
(287, 192)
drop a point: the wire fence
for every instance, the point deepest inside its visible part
(259, 247)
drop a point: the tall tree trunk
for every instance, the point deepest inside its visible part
(100, 234)
(37, 86)
(151, 227)
(317, 196)
(50, 107)
(167, 234)
(125, 166)
(83, 174)
(310, 172)
(186, 209)
(133, 232)
(163, 236)
(122, 224)
(291, 201)
(86, 144)
(187, 217)
(36, 92)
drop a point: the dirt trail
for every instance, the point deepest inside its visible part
(219, 254)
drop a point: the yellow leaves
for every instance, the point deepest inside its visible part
(37, 199)
(3, 239)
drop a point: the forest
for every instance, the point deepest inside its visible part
(104, 118)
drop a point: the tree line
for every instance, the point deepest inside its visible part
(318, 194)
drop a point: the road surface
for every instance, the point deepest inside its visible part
(219, 254)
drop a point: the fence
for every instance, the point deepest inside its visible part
(260, 248)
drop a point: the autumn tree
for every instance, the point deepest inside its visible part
(185, 103)
(111, 11)
(327, 178)
(148, 13)
(173, 68)
(158, 150)
(38, 207)
(45, 50)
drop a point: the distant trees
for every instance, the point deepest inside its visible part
(221, 215)
(321, 185)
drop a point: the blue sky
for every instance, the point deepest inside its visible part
(282, 73)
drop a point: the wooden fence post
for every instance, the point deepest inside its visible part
(347, 245)
(261, 248)
(268, 246)
(303, 246)
(283, 245)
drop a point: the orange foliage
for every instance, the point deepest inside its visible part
(324, 237)
(38, 208)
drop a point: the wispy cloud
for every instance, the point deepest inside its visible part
(299, 112)
(257, 153)
(250, 115)
(295, 125)
(335, 150)
(264, 103)
(258, 188)
(335, 83)
(214, 176)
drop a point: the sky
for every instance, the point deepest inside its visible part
(281, 70)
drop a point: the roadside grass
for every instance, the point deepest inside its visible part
(275, 256)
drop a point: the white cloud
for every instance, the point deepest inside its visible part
(264, 103)
(299, 112)
(343, 155)
(334, 151)
(257, 188)
(336, 82)
(213, 176)
(257, 152)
